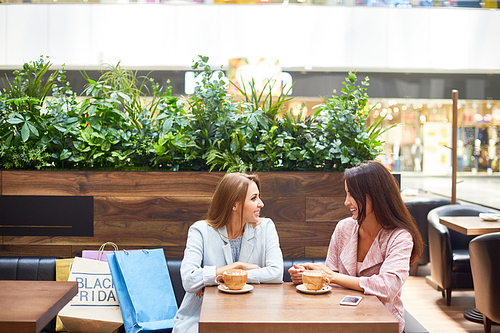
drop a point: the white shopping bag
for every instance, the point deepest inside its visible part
(95, 308)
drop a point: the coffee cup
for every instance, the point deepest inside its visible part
(233, 279)
(315, 279)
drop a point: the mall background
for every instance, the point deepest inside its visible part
(415, 54)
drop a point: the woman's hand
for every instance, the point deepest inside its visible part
(351, 282)
(237, 265)
(297, 270)
(246, 266)
(296, 273)
(321, 267)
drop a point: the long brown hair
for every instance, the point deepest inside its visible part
(232, 188)
(372, 180)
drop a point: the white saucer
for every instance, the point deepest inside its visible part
(303, 289)
(489, 216)
(245, 289)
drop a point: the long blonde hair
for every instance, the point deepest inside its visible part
(232, 188)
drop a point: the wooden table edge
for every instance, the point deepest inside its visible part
(453, 226)
(54, 310)
(485, 228)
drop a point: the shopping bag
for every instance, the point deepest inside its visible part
(95, 308)
(144, 290)
(99, 254)
(63, 267)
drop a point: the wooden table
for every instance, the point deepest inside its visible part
(282, 308)
(28, 306)
(470, 225)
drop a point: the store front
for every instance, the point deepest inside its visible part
(421, 140)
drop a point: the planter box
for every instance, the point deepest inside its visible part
(155, 209)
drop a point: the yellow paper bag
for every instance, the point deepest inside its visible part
(63, 267)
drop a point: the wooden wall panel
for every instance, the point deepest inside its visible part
(126, 233)
(285, 209)
(326, 209)
(305, 234)
(174, 209)
(155, 209)
(113, 183)
(302, 184)
(293, 252)
(36, 250)
(316, 251)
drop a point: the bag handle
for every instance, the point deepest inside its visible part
(101, 249)
(143, 250)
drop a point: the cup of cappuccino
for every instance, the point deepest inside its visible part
(234, 279)
(315, 279)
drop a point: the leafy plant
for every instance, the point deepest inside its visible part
(342, 124)
(25, 124)
(128, 122)
(251, 144)
(21, 112)
(124, 123)
(210, 109)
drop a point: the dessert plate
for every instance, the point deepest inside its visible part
(303, 289)
(489, 216)
(245, 289)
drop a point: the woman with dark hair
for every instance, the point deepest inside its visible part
(372, 251)
(232, 236)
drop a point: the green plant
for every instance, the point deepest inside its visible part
(252, 144)
(24, 156)
(25, 124)
(21, 111)
(211, 109)
(342, 126)
(119, 127)
(129, 122)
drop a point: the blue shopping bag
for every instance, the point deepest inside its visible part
(144, 290)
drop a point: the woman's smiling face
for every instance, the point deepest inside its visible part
(353, 205)
(252, 204)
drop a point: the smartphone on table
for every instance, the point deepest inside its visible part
(351, 300)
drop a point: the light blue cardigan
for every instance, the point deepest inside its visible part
(206, 250)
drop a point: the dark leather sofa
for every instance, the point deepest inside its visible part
(419, 208)
(44, 268)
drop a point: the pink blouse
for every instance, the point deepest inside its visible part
(385, 267)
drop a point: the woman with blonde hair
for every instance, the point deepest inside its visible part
(372, 251)
(233, 235)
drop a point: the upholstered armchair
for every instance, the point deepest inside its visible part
(449, 250)
(419, 208)
(485, 263)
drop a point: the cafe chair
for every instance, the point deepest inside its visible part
(419, 208)
(485, 263)
(449, 250)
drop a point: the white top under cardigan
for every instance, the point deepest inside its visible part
(206, 250)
